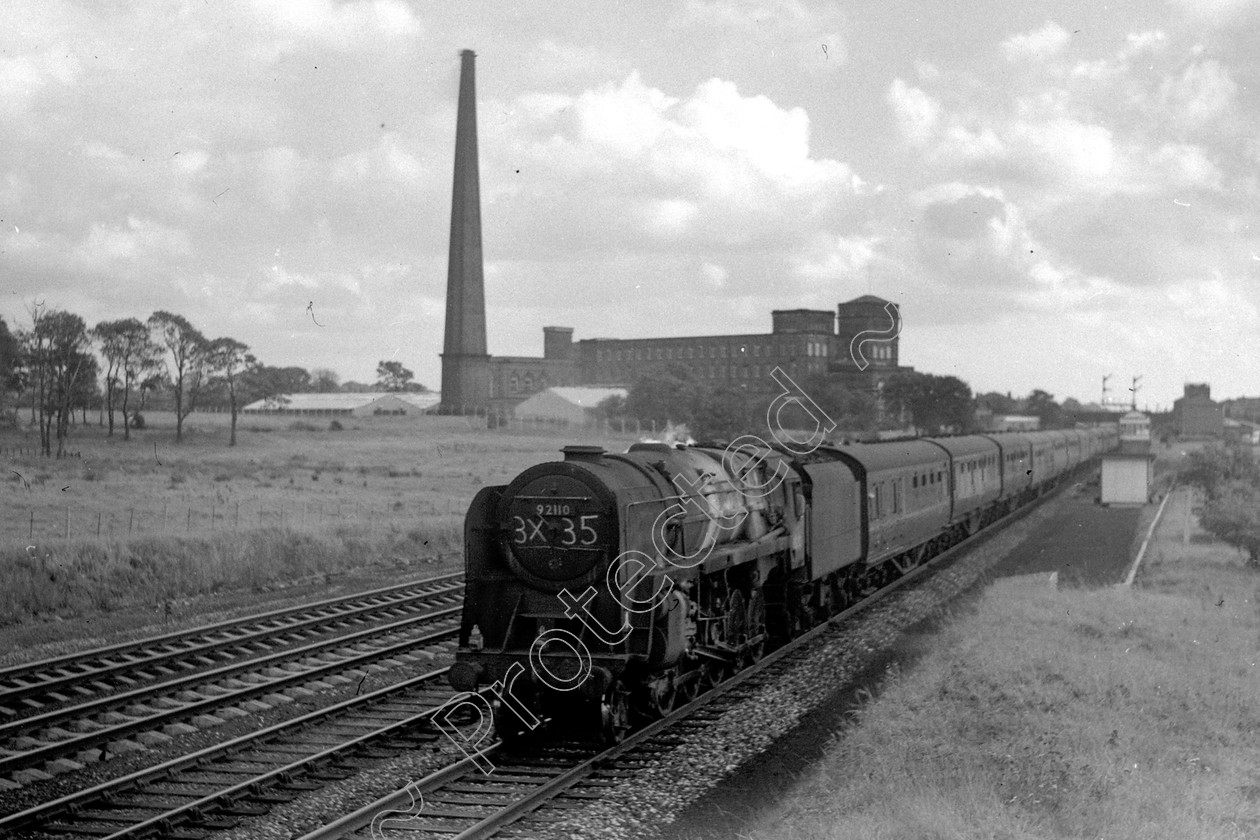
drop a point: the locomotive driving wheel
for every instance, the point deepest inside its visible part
(687, 683)
(662, 694)
(756, 626)
(614, 714)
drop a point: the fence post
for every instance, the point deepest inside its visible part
(67, 522)
(98, 523)
(236, 521)
(131, 521)
(164, 504)
(32, 533)
(211, 517)
(188, 527)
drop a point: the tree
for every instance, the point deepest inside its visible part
(1042, 405)
(852, 411)
(57, 352)
(230, 363)
(392, 376)
(937, 403)
(139, 361)
(111, 337)
(273, 383)
(324, 380)
(1234, 517)
(998, 403)
(85, 392)
(665, 397)
(721, 413)
(1215, 468)
(611, 407)
(186, 364)
(10, 363)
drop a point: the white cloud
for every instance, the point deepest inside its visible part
(831, 258)
(280, 277)
(1037, 45)
(386, 161)
(339, 25)
(715, 164)
(714, 274)
(1065, 149)
(1180, 165)
(917, 113)
(1150, 41)
(669, 217)
(1200, 95)
(139, 239)
(23, 77)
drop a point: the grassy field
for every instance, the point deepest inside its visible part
(148, 520)
(1111, 713)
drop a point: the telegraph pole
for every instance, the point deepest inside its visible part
(1135, 389)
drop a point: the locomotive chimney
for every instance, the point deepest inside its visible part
(583, 453)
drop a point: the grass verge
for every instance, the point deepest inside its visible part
(67, 579)
(1116, 713)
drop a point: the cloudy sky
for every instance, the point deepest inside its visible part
(1052, 191)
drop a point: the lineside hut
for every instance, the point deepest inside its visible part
(1128, 472)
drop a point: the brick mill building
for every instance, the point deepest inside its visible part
(1196, 414)
(857, 344)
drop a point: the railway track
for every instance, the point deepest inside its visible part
(32, 687)
(62, 739)
(530, 787)
(214, 788)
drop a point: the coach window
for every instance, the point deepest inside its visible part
(516, 384)
(529, 382)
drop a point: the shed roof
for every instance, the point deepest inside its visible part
(342, 401)
(587, 397)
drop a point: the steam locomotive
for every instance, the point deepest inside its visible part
(617, 585)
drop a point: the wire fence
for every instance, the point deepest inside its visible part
(174, 518)
(35, 452)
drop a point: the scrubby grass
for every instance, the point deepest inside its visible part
(71, 580)
(292, 499)
(1109, 713)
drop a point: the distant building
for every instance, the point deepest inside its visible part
(1196, 415)
(1242, 408)
(1127, 472)
(857, 345)
(366, 404)
(573, 406)
(1014, 423)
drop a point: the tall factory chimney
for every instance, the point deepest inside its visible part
(465, 363)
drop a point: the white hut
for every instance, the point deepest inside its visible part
(1129, 471)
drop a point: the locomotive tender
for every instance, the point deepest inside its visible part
(627, 582)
